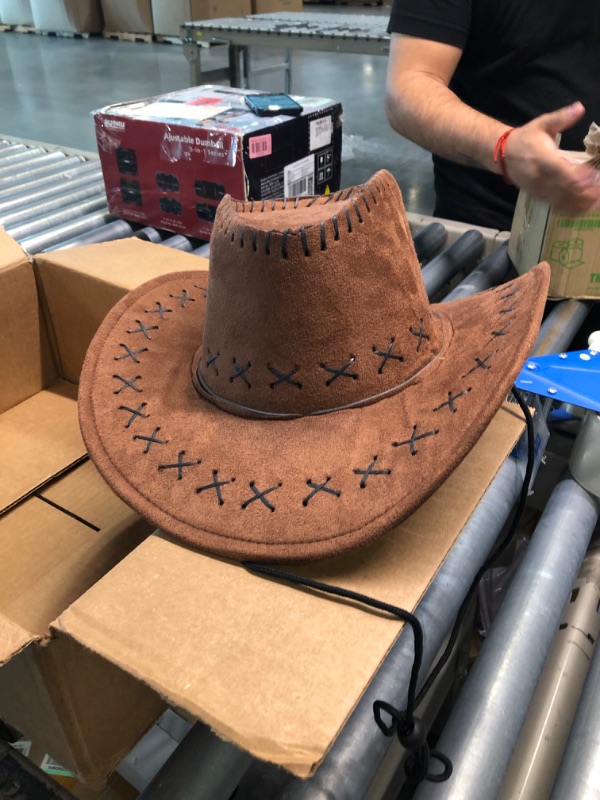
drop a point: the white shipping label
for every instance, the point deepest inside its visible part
(23, 746)
(299, 177)
(321, 131)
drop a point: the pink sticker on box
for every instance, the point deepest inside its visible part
(260, 146)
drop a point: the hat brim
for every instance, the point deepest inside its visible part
(296, 489)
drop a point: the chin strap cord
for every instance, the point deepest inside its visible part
(409, 729)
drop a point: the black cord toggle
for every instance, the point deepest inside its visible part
(412, 735)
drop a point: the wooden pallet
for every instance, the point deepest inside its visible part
(128, 37)
(39, 32)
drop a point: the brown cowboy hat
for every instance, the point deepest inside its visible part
(302, 397)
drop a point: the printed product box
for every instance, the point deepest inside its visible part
(168, 161)
(77, 16)
(61, 527)
(127, 16)
(269, 6)
(169, 15)
(571, 245)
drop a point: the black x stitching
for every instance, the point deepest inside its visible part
(184, 297)
(420, 333)
(258, 495)
(135, 412)
(180, 465)
(415, 438)
(127, 384)
(386, 355)
(480, 363)
(511, 307)
(216, 485)
(144, 329)
(211, 360)
(240, 372)
(342, 372)
(450, 401)
(510, 294)
(319, 487)
(283, 377)
(160, 310)
(129, 353)
(202, 289)
(370, 470)
(499, 332)
(150, 440)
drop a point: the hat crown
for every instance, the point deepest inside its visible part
(314, 304)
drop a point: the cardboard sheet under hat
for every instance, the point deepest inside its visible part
(275, 669)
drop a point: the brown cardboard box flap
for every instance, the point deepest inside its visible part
(39, 438)
(26, 362)
(80, 286)
(54, 546)
(13, 638)
(272, 668)
(10, 252)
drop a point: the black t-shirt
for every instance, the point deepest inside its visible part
(521, 58)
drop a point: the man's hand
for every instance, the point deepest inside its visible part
(533, 162)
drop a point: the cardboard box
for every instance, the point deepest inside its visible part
(169, 15)
(272, 668)
(127, 16)
(571, 245)
(167, 161)
(16, 12)
(77, 16)
(61, 528)
(268, 6)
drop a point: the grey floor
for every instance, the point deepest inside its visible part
(49, 86)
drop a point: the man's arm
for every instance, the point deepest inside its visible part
(421, 106)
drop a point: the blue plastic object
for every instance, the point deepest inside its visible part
(569, 377)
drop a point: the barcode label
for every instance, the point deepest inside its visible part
(260, 146)
(321, 131)
(303, 186)
(299, 177)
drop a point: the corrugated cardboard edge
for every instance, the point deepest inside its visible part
(13, 639)
(68, 714)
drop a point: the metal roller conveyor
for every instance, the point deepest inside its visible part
(579, 774)
(64, 215)
(492, 271)
(429, 241)
(111, 231)
(28, 161)
(486, 720)
(178, 242)
(13, 161)
(68, 230)
(28, 175)
(54, 174)
(44, 209)
(462, 255)
(54, 187)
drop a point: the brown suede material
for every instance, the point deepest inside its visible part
(316, 485)
(318, 303)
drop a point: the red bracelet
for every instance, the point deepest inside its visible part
(499, 157)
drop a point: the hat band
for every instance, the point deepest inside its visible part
(223, 402)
